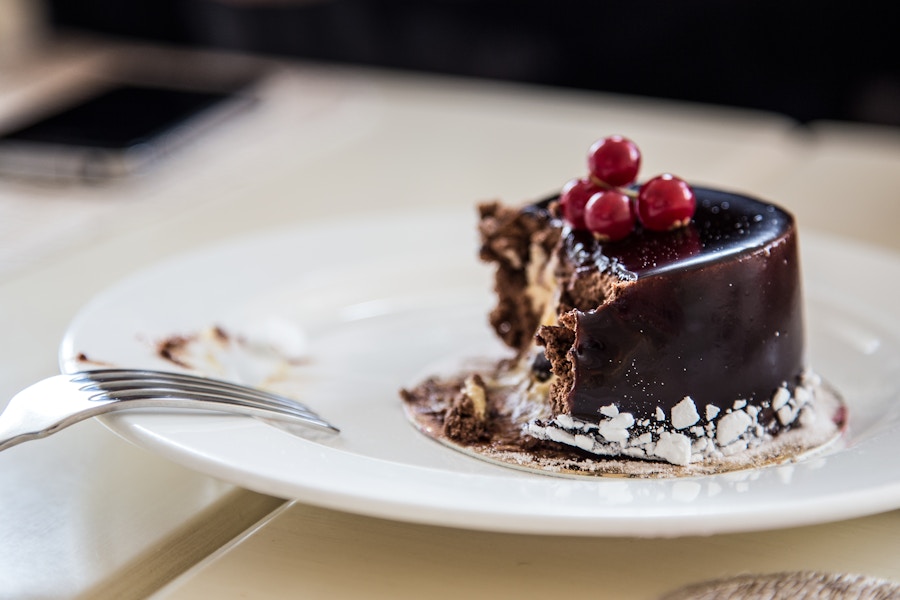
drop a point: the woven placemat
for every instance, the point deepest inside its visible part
(794, 585)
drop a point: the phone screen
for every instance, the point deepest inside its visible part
(110, 134)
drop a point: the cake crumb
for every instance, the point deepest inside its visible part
(465, 421)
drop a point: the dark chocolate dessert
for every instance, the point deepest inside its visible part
(676, 339)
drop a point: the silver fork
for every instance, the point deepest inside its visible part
(62, 400)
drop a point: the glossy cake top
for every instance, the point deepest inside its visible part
(724, 225)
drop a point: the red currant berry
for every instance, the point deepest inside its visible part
(609, 215)
(575, 195)
(665, 202)
(614, 160)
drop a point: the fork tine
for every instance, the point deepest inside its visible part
(139, 375)
(209, 388)
(210, 400)
(145, 384)
(150, 391)
(109, 379)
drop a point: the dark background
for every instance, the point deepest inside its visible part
(808, 60)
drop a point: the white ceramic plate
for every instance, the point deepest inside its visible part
(343, 314)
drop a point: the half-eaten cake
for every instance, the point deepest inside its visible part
(683, 347)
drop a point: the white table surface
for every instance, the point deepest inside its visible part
(87, 514)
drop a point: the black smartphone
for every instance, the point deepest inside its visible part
(114, 133)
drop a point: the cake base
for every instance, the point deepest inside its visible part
(495, 428)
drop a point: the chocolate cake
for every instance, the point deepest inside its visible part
(683, 347)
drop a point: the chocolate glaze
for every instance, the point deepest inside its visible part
(712, 311)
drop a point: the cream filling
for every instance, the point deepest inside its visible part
(477, 395)
(531, 399)
(543, 287)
